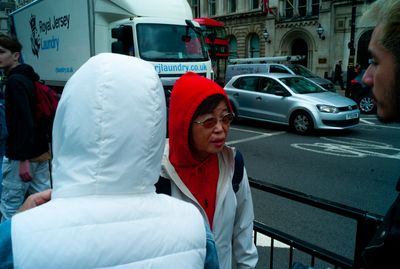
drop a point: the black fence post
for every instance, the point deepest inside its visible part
(365, 231)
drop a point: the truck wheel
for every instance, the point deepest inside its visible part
(301, 123)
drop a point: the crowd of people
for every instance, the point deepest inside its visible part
(107, 207)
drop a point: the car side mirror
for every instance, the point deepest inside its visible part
(282, 93)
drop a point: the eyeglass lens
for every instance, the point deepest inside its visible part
(211, 122)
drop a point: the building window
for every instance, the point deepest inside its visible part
(340, 24)
(231, 6)
(289, 8)
(233, 48)
(315, 7)
(255, 4)
(195, 8)
(302, 8)
(212, 8)
(253, 46)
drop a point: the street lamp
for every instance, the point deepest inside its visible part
(266, 36)
(320, 32)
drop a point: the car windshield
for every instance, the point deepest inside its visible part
(167, 42)
(301, 70)
(301, 85)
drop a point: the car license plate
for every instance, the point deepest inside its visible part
(351, 116)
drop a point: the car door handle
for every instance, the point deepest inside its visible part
(258, 98)
(236, 94)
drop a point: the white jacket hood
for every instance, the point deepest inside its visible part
(96, 144)
(109, 135)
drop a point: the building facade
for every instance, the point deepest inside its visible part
(6, 6)
(321, 30)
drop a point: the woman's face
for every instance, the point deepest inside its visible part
(209, 131)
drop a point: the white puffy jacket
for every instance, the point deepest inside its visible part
(233, 217)
(108, 142)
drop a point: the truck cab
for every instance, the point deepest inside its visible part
(59, 36)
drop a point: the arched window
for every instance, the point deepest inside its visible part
(233, 47)
(253, 48)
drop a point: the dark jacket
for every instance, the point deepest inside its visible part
(383, 250)
(3, 125)
(338, 70)
(25, 139)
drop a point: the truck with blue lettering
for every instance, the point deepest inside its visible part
(59, 36)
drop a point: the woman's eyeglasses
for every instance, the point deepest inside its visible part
(211, 122)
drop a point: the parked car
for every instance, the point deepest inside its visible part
(291, 100)
(362, 94)
(266, 68)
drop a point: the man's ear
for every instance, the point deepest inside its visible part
(16, 56)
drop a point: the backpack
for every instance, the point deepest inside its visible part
(46, 106)
(163, 184)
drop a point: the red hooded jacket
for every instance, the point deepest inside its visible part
(199, 177)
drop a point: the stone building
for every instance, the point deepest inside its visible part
(321, 30)
(6, 6)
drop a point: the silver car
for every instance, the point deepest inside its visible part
(267, 68)
(291, 100)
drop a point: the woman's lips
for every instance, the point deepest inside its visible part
(218, 143)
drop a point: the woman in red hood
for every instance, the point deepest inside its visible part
(200, 167)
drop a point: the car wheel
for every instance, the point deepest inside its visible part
(366, 104)
(301, 123)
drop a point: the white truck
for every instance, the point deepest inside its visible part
(58, 36)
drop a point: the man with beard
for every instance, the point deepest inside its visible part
(383, 77)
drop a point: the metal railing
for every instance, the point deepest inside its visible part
(366, 225)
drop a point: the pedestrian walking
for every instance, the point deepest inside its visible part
(27, 156)
(338, 75)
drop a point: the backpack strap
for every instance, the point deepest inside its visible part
(163, 185)
(238, 173)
